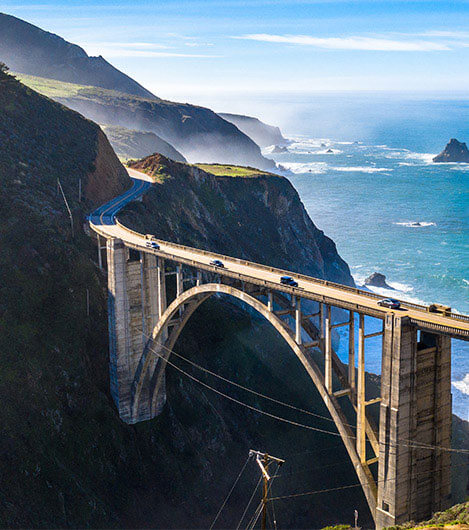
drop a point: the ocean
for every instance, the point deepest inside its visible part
(363, 168)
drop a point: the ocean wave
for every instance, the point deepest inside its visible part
(463, 385)
(361, 169)
(416, 224)
(461, 167)
(427, 158)
(308, 167)
(399, 290)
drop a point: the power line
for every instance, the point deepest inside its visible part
(412, 444)
(342, 487)
(230, 492)
(249, 503)
(234, 383)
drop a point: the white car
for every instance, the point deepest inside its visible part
(152, 244)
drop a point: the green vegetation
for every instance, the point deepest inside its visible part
(196, 132)
(224, 170)
(454, 517)
(131, 144)
(51, 87)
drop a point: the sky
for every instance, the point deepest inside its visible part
(195, 49)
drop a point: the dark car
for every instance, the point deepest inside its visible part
(391, 303)
(288, 280)
(217, 263)
(152, 244)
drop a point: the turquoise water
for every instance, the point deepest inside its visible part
(369, 194)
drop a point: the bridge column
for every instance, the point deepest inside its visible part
(133, 293)
(415, 409)
(328, 349)
(298, 320)
(351, 351)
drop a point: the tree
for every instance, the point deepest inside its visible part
(3, 68)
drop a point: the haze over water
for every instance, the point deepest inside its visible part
(369, 194)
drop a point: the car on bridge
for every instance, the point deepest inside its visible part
(288, 280)
(390, 303)
(217, 263)
(153, 245)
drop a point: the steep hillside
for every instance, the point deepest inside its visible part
(258, 131)
(455, 518)
(31, 50)
(198, 133)
(128, 143)
(67, 460)
(248, 215)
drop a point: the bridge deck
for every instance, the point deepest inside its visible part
(104, 223)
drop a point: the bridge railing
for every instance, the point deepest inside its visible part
(282, 272)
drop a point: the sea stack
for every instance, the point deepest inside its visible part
(377, 280)
(453, 152)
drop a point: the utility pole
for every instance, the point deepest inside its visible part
(263, 461)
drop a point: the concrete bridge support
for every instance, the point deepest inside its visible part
(413, 482)
(134, 306)
(415, 404)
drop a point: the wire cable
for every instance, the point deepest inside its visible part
(230, 492)
(250, 390)
(248, 504)
(344, 487)
(412, 444)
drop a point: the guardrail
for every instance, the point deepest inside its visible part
(282, 272)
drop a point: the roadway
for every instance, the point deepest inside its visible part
(104, 222)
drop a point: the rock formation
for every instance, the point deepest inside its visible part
(277, 149)
(262, 133)
(377, 280)
(454, 151)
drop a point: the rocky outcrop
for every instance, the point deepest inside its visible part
(377, 280)
(453, 152)
(196, 132)
(260, 218)
(30, 50)
(277, 149)
(110, 97)
(129, 143)
(67, 460)
(263, 134)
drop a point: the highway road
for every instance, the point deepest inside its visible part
(104, 222)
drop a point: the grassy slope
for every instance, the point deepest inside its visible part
(67, 460)
(198, 133)
(131, 144)
(223, 170)
(456, 517)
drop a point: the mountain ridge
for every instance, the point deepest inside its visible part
(29, 49)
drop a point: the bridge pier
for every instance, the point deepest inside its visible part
(135, 300)
(413, 482)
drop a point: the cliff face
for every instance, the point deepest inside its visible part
(198, 133)
(453, 152)
(67, 460)
(31, 50)
(263, 134)
(260, 218)
(129, 143)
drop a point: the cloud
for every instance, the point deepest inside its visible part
(350, 43)
(131, 45)
(139, 49)
(145, 53)
(445, 34)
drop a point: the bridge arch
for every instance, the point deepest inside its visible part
(163, 341)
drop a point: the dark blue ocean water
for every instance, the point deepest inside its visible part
(376, 184)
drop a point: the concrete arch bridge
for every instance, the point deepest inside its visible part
(410, 481)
